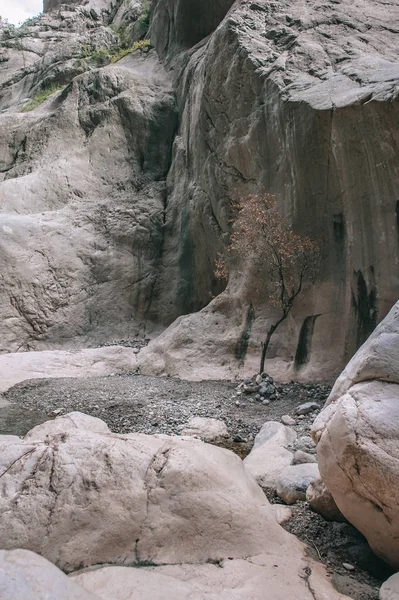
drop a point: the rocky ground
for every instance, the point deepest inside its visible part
(134, 403)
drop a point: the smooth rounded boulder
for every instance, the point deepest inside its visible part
(80, 495)
(357, 436)
(26, 576)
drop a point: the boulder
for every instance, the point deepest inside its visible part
(306, 407)
(289, 576)
(322, 502)
(283, 513)
(25, 575)
(293, 481)
(301, 457)
(88, 496)
(207, 429)
(390, 588)
(358, 440)
(270, 453)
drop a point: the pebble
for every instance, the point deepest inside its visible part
(287, 420)
(55, 412)
(348, 566)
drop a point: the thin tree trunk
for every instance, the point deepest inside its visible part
(266, 343)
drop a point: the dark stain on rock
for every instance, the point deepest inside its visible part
(364, 303)
(339, 230)
(304, 347)
(397, 214)
(243, 340)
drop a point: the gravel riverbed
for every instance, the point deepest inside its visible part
(135, 403)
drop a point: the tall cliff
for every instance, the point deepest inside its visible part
(116, 191)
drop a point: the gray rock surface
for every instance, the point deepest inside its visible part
(306, 407)
(82, 185)
(301, 457)
(322, 502)
(357, 435)
(270, 454)
(315, 89)
(292, 482)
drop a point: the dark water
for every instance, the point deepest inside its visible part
(15, 420)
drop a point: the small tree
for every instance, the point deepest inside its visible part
(284, 261)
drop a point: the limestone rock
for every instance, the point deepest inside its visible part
(323, 69)
(357, 435)
(283, 576)
(283, 513)
(82, 184)
(301, 457)
(390, 588)
(26, 576)
(306, 407)
(270, 454)
(207, 429)
(293, 481)
(90, 362)
(322, 502)
(90, 496)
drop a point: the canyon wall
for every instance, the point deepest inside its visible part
(115, 194)
(300, 100)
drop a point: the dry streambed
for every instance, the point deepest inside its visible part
(133, 403)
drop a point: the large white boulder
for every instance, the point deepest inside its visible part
(26, 576)
(206, 429)
(273, 576)
(80, 495)
(358, 440)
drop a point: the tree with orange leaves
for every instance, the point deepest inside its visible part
(283, 261)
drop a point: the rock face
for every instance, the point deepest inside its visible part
(82, 185)
(115, 191)
(322, 502)
(358, 444)
(390, 588)
(27, 576)
(306, 110)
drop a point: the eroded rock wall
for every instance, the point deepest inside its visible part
(299, 100)
(115, 209)
(82, 186)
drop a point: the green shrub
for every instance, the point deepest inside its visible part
(122, 52)
(144, 19)
(40, 97)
